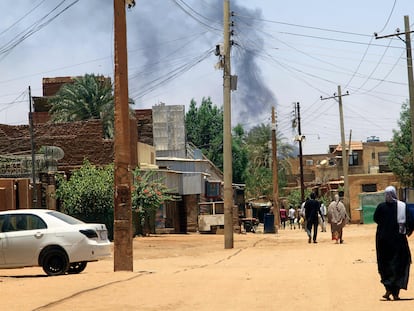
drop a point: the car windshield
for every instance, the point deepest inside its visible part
(66, 218)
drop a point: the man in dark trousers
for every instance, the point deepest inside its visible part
(312, 209)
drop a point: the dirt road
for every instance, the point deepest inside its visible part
(194, 272)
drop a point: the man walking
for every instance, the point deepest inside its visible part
(321, 220)
(312, 210)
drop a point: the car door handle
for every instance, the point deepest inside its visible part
(38, 235)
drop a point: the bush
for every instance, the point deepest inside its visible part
(89, 195)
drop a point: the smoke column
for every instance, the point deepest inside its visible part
(156, 24)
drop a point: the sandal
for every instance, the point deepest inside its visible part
(387, 295)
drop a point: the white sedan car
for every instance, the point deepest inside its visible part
(55, 241)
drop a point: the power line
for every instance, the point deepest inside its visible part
(21, 18)
(32, 29)
(301, 26)
(389, 16)
(174, 73)
(337, 40)
(355, 73)
(195, 15)
(16, 100)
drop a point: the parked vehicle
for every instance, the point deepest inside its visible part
(210, 216)
(55, 241)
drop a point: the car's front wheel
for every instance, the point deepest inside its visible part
(55, 262)
(77, 267)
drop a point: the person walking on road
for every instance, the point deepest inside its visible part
(393, 251)
(283, 216)
(338, 218)
(312, 210)
(323, 222)
(292, 217)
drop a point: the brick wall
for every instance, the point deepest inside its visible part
(79, 140)
(144, 126)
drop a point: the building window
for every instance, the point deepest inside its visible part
(383, 162)
(353, 159)
(309, 162)
(373, 155)
(383, 158)
(369, 188)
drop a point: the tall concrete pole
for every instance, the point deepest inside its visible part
(123, 251)
(344, 153)
(276, 207)
(410, 78)
(227, 154)
(343, 147)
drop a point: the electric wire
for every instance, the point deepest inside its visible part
(299, 26)
(355, 73)
(174, 73)
(187, 9)
(386, 76)
(21, 18)
(18, 99)
(360, 63)
(389, 17)
(32, 29)
(366, 51)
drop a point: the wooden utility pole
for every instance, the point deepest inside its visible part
(300, 140)
(227, 154)
(343, 147)
(33, 148)
(276, 207)
(407, 41)
(123, 251)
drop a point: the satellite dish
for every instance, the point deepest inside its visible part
(53, 152)
(324, 162)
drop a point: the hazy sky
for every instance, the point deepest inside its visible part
(284, 52)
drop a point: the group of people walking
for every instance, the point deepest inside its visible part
(313, 213)
(394, 224)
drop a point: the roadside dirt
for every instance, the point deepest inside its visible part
(194, 272)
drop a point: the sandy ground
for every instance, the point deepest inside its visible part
(194, 272)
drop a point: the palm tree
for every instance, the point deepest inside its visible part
(88, 97)
(259, 169)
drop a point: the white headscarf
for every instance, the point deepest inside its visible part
(391, 196)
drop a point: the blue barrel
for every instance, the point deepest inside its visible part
(269, 223)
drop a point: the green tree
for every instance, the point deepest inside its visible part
(239, 154)
(88, 97)
(88, 194)
(400, 158)
(294, 197)
(148, 195)
(204, 126)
